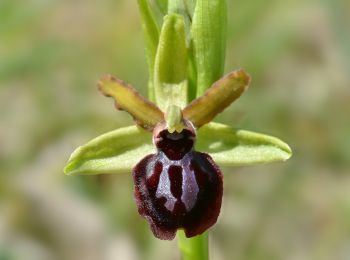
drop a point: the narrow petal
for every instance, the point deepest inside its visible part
(145, 113)
(114, 152)
(219, 96)
(231, 147)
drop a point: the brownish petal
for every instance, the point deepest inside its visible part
(145, 113)
(219, 96)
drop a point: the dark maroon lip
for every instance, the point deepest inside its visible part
(177, 188)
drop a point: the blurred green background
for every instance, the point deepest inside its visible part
(53, 52)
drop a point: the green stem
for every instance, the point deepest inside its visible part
(195, 248)
(209, 58)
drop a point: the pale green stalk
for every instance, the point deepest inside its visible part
(195, 248)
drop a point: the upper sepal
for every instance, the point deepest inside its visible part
(170, 73)
(231, 147)
(117, 151)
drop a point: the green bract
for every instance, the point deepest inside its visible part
(209, 42)
(151, 35)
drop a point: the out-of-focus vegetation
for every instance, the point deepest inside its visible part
(51, 56)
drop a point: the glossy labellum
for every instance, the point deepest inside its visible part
(177, 188)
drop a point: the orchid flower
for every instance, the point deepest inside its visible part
(175, 150)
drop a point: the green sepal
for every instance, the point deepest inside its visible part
(151, 35)
(232, 147)
(170, 78)
(117, 151)
(209, 41)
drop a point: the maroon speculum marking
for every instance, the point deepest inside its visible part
(178, 188)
